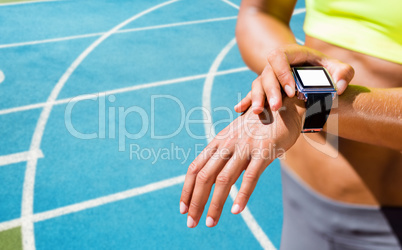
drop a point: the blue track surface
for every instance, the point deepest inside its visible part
(79, 172)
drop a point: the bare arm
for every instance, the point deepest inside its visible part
(268, 47)
(263, 26)
(370, 115)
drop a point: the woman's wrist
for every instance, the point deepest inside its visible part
(295, 104)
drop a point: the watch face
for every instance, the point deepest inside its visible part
(313, 77)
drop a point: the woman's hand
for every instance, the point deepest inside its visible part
(249, 143)
(277, 74)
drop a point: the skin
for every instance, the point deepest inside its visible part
(364, 166)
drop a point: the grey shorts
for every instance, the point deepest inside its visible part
(314, 222)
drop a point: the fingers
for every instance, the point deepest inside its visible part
(194, 168)
(250, 178)
(279, 62)
(281, 59)
(244, 104)
(341, 73)
(271, 88)
(224, 181)
(258, 96)
(277, 74)
(203, 184)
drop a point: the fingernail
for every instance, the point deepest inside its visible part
(256, 106)
(272, 103)
(210, 222)
(289, 91)
(183, 208)
(190, 222)
(341, 85)
(235, 209)
(235, 107)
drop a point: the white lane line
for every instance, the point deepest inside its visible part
(20, 157)
(219, 19)
(27, 229)
(26, 2)
(52, 40)
(22, 108)
(109, 199)
(231, 4)
(259, 234)
(299, 41)
(96, 202)
(60, 39)
(207, 90)
(2, 77)
(118, 91)
(10, 224)
(251, 223)
(298, 11)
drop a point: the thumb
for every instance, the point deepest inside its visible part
(341, 73)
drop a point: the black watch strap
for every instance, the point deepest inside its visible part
(318, 107)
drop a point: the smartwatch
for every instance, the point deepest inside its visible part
(315, 86)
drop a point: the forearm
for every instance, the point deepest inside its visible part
(258, 32)
(369, 115)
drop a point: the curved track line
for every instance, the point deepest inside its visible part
(252, 224)
(26, 2)
(207, 90)
(231, 4)
(27, 230)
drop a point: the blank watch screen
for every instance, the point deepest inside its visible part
(314, 78)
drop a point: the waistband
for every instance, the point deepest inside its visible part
(333, 218)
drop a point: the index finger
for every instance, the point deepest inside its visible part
(281, 67)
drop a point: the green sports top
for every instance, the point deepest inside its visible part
(372, 27)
